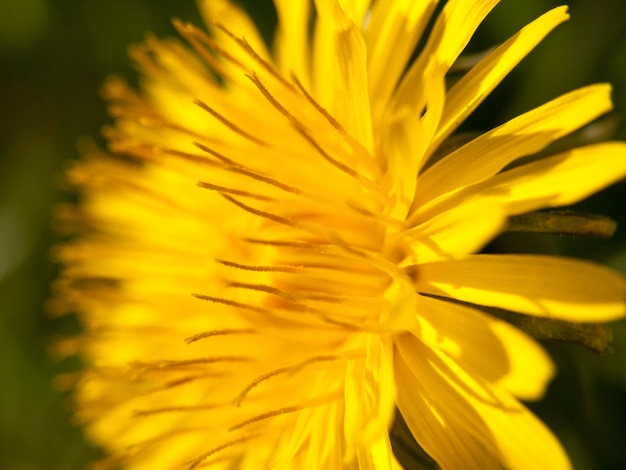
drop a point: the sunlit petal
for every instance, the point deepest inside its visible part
(462, 422)
(537, 285)
(485, 346)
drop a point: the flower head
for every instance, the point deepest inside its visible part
(271, 259)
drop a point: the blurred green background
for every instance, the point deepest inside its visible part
(54, 54)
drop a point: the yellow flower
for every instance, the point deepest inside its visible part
(269, 254)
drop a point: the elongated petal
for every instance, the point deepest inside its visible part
(460, 231)
(476, 85)
(525, 135)
(312, 441)
(370, 396)
(379, 456)
(227, 13)
(405, 140)
(292, 42)
(356, 10)
(560, 180)
(451, 33)
(546, 286)
(463, 423)
(341, 70)
(486, 347)
(391, 36)
(551, 182)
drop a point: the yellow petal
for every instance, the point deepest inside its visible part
(556, 181)
(228, 14)
(452, 31)
(355, 9)
(525, 135)
(340, 65)
(486, 347)
(546, 286)
(406, 134)
(310, 443)
(370, 396)
(462, 423)
(560, 180)
(292, 42)
(379, 456)
(391, 36)
(478, 83)
(460, 231)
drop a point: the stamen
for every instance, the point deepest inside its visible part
(264, 179)
(178, 382)
(266, 215)
(159, 122)
(231, 303)
(280, 269)
(215, 154)
(228, 123)
(292, 370)
(262, 378)
(196, 37)
(173, 409)
(191, 157)
(336, 163)
(317, 247)
(237, 168)
(345, 356)
(167, 364)
(220, 50)
(329, 117)
(180, 53)
(318, 401)
(355, 144)
(264, 288)
(269, 414)
(201, 458)
(300, 127)
(212, 333)
(223, 189)
(183, 381)
(292, 306)
(252, 53)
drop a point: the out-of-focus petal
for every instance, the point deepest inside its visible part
(226, 13)
(291, 44)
